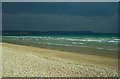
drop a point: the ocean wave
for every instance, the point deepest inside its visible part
(95, 42)
(83, 39)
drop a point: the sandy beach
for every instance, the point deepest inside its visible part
(28, 61)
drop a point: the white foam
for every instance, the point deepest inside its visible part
(117, 39)
(100, 48)
(112, 41)
(110, 49)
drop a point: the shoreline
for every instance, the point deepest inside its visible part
(20, 60)
(87, 51)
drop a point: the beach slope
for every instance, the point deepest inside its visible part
(28, 61)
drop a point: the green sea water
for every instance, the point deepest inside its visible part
(100, 44)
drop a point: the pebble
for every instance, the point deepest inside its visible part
(31, 66)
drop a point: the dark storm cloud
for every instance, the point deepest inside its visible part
(96, 17)
(60, 22)
(67, 8)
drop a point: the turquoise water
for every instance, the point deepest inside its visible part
(101, 42)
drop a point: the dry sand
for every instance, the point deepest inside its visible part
(22, 61)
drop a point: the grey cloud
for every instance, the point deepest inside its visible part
(59, 23)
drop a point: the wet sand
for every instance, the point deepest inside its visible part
(22, 61)
(82, 50)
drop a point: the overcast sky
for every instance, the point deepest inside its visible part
(55, 16)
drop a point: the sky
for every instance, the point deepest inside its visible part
(61, 16)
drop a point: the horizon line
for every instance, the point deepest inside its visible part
(53, 31)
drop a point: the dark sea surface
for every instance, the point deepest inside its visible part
(96, 44)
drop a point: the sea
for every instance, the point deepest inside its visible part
(95, 44)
